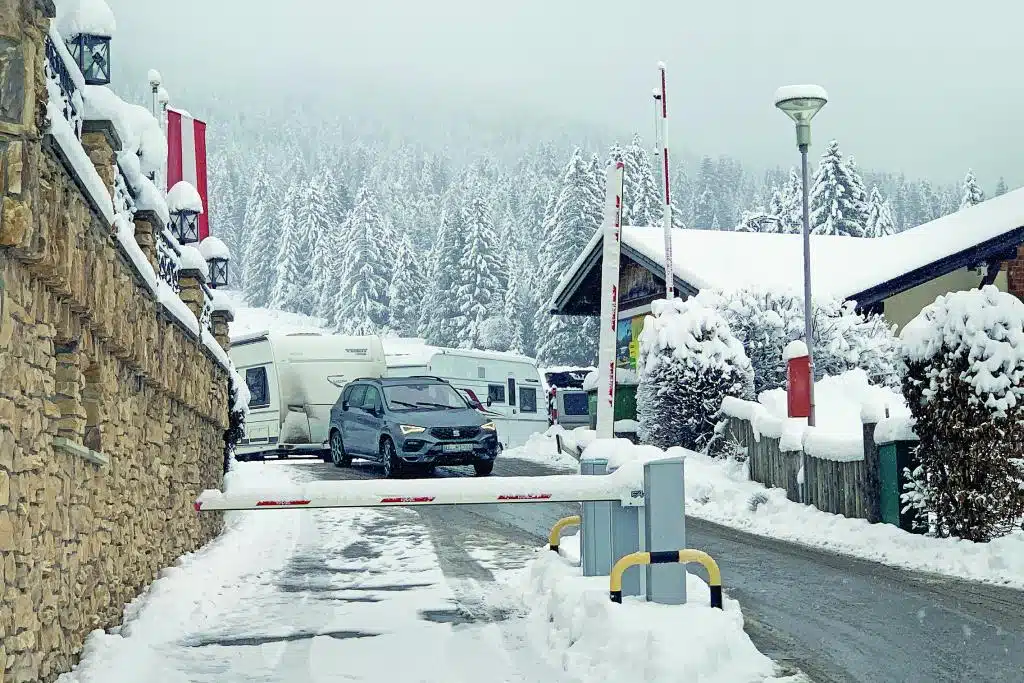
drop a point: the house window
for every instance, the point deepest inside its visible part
(259, 391)
(496, 393)
(528, 399)
(92, 401)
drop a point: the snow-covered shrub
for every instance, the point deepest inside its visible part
(964, 384)
(765, 322)
(688, 362)
(238, 409)
(496, 334)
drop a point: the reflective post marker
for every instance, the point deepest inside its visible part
(609, 303)
(666, 217)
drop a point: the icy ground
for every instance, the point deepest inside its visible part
(379, 595)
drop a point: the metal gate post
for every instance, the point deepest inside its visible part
(665, 528)
(610, 530)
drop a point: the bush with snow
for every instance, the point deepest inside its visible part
(496, 333)
(689, 361)
(964, 383)
(765, 322)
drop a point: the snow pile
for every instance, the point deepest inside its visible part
(598, 641)
(541, 448)
(900, 428)
(214, 248)
(624, 377)
(92, 17)
(720, 491)
(577, 439)
(842, 405)
(964, 320)
(191, 259)
(795, 349)
(184, 197)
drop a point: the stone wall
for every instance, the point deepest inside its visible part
(1015, 274)
(111, 414)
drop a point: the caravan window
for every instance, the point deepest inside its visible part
(528, 399)
(259, 392)
(511, 391)
(496, 393)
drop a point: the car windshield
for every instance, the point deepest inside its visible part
(429, 396)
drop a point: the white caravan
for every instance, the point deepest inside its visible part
(504, 385)
(294, 380)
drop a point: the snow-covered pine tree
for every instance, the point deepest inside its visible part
(791, 204)
(964, 384)
(1001, 187)
(972, 193)
(291, 282)
(931, 202)
(318, 219)
(516, 305)
(641, 196)
(858, 193)
(260, 226)
(440, 305)
(406, 290)
(758, 220)
(361, 304)
(704, 215)
(833, 201)
(880, 220)
(689, 361)
(479, 278)
(577, 216)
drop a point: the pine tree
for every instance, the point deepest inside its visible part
(361, 304)
(880, 220)
(641, 198)
(440, 306)
(318, 218)
(704, 215)
(1001, 187)
(479, 277)
(972, 193)
(291, 283)
(261, 227)
(858, 193)
(576, 217)
(931, 202)
(406, 290)
(834, 206)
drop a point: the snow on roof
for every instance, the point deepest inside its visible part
(841, 267)
(402, 352)
(800, 92)
(191, 259)
(213, 247)
(184, 197)
(87, 16)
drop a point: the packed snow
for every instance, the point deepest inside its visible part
(795, 349)
(720, 491)
(184, 197)
(962, 320)
(841, 405)
(214, 248)
(92, 17)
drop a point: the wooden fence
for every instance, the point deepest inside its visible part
(848, 488)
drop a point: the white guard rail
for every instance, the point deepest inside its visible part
(624, 485)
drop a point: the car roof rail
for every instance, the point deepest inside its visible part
(439, 379)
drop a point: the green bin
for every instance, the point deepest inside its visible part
(893, 458)
(625, 403)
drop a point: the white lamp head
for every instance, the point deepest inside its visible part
(801, 103)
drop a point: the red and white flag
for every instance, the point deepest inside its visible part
(186, 158)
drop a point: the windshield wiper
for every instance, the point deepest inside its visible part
(402, 403)
(436, 405)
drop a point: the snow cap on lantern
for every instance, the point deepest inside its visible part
(217, 256)
(185, 205)
(88, 26)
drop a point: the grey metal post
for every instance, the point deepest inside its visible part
(609, 531)
(805, 144)
(665, 529)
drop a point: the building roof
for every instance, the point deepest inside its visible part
(865, 270)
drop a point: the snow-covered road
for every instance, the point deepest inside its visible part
(333, 595)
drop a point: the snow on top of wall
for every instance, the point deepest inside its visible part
(86, 16)
(191, 259)
(213, 247)
(184, 197)
(222, 302)
(65, 136)
(891, 429)
(989, 326)
(842, 404)
(148, 140)
(795, 349)
(126, 237)
(65, 55)
(214, 348)
(170, 300)
(727, 260)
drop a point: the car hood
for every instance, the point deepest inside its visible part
(466, 417)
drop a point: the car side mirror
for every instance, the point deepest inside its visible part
(489, 402)
(344, 405)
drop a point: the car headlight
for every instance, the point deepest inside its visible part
(411, 429)
(489, 427)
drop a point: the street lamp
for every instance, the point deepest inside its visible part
(801, 103)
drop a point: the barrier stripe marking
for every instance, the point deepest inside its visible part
(664, 556)
(417, 499)
(280, 503)
(525, 496)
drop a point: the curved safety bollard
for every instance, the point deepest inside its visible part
(666, 557)
(556, 530)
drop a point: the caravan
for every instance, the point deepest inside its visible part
(294, 380)
(503, 385)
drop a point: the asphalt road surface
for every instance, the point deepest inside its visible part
(834, 618)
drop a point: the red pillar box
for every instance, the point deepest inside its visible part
(798, 379)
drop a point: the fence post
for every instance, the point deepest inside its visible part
(871, 484)
(609, 531)
(664, 528)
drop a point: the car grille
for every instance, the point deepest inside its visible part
(449, 432)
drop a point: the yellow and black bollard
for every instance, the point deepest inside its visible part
(667, 557)
(556, 530)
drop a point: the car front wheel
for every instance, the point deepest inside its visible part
(389, 459)
(483, 468)
(338, 455)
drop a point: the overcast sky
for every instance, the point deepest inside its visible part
(929, 87)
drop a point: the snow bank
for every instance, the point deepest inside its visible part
(720, 491)
(842, 405)
(596, 640)
(963, 321)
(541, 448)
(213, 247)
(184, 197)
(87, 16)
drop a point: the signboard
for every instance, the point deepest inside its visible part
(627, 348)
